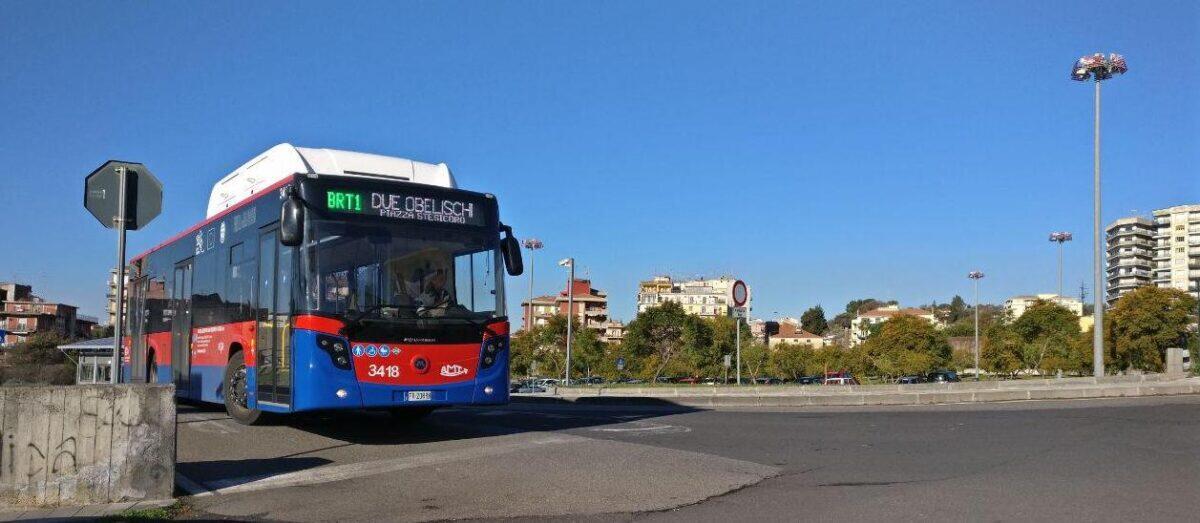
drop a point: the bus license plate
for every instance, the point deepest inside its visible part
(420, 395)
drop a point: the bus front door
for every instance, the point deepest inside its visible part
(273, 357)
(181, 328)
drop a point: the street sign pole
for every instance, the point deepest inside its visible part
(737, 327)
(124, 196)
(119, 223)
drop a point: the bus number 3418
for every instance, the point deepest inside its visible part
(381, 371)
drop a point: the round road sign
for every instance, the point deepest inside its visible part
(739, 294)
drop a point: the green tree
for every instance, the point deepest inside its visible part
(38, 360)
(906, 345)
(1001, 350)
(755, 359)
(958, 309)
(724, 341)
(1143, 323)
(1047, 331)
(792, 361)
(667, 339)
(813, 320)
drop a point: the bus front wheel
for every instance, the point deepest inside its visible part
(236, 392)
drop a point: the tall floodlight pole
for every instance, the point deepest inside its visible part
(532, 244)
(1060, 238)
(569, 263)
(976, 276)
(1097, 67)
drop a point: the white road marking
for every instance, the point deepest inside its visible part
(333, 473)
(644, 427)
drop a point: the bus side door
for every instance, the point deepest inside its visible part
(181, 329)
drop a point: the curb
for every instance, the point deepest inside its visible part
(757, 398)
(74, 512)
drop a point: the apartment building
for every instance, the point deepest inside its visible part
(860, 326)
(1164, 251)
(591, 306)
(111, 295)
(1177, 247)
(1017, 305)
(23, 313)
(707, 298)
(1130, 254)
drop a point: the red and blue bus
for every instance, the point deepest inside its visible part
(352, 282)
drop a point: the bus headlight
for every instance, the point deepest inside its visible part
(335, 347)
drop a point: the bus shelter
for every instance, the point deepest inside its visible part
(93, 359)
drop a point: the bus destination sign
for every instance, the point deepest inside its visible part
(405, 207)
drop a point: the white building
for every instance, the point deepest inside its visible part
(704, 297)
(1164, 252)
(1177, 247)
(860, 326)
(1130, 246)
(1017, 305)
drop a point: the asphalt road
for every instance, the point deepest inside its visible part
(1099, 460)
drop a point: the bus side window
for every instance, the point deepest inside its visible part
(239, 283)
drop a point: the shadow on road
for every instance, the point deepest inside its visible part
(365, 427)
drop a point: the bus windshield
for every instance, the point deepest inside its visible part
(396, 271)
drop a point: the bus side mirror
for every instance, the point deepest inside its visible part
(511, 250)
(291, 223)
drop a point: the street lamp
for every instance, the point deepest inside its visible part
(1099, 68)
(976, 276)
(569, 263)
(1060, 238)
(532, 244)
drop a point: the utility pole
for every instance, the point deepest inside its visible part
(569, 263)
(533, 244)
(1060, 238)
(976, 276)
(1098, 68)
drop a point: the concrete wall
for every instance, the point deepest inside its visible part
(82, 444)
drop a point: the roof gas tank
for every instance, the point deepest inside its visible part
(284, 160)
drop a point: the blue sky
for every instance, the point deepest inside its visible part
(820, 151)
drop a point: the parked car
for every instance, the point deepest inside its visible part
(810, 380)
(943, 376)
(906, 380)
(712, 381)
(688, 380)
(591, 380)
(629, 380)
(769, 381)
(665, 379)
(840, 378)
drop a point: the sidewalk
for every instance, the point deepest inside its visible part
(829, 395)
(67, 513)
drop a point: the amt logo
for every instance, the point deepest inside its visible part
(451, 371)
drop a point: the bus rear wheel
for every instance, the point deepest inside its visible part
(237, 393)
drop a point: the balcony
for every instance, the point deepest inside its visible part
(1128, 242)
(1145, 275)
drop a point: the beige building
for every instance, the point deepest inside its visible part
(612, 331)
(1164, 251)
(790, 334)
(1177, 247)
(591, 306)
(860, 326)
(707, 298)
(1015, 307)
